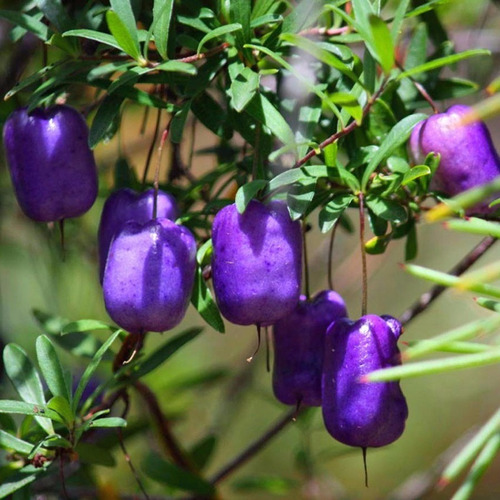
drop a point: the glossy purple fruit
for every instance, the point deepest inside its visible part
(124, 205)
(359, 413)
(256, 265)
(299, 345)
(149, 275)
(468, 156)
(52, 167)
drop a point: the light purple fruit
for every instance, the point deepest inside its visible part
(299, 345)
(360, 413)
(149, 275)
(468, 156)
(256, 265)
(124, 205)
(52, 167)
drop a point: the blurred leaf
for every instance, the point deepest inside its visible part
(107, 112)
(164, 352)
(8, 406)
(203, 302)
(299, 197)
(415, 173)
(62, 407)
(91, 368)
(240, 14)
(247, 193)
(218, 32)
(262, 7)
(204, 253)
(31, 24)
(162, 15)
(397, 21)
(302, 15)
(97, 36)
(243, 87)
(108, 422)
(202, 451)
(378, 244)
(475, 225)
(179, 122)
(166, 473)
(19, 480)
(56, 14)
(8, 441)
(273, 485)
(7, 423)
(51, 368)
(200, 380)
(85, 325)
(387, 209)
(382, 42)
(331, 212)
(301, 174)
(492, 305)
(90, 453)
(411, 245)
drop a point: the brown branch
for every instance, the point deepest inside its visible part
(427, 298)
(254, 448)
(203, 55)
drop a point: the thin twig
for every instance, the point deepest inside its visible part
(421, 89)
(254, 448)
(61, 476)
(330, 256)
(204, 55)
(428, 297)
(306, 267)
(156, 181)
(364, 300)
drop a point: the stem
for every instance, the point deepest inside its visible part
(61, 476)
(427, 298)
(172, 448)
(151, 146)
(256, 152)
(306, 268)
(330, 257)
(156, 181)
(254, 448)
(364, 300)
(421, 90)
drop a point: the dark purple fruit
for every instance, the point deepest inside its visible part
(124, 205)
(299, 345)
(149, 275)
(52, 167)
(468, 157)
(358, 413)
(256, 265)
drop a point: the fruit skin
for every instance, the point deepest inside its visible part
(149, 275)
(126, 204)
(299, 344)
(256, 263)
(51, 165)
(468, 156)
(359, 413)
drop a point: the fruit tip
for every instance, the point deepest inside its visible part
(402, 265)
(364, 379)
(442, 483)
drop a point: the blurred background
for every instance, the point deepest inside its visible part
(208, 387)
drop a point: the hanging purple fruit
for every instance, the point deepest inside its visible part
(124, 205)
(299, 345)
(357, 413)
(149, 275)
(52, 167)
(468, 156)
(256, 265)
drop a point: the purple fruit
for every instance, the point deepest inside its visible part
(256, 265)
(124, 205)
(299, 345)
(149, 275)
(52, 167)
(358, 413)
(468, 157)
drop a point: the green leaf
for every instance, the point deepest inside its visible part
(204, 253)
(51, 368)
(397, 21)
(106, 113)
(9, 406)
(178, 123)
(219, 32)
(247, 193)
(31, 24)
(302, 15)
(301, 174)
(85, 325)
(204, 303)
(124, 37)
(273, 485)
(19, 480)
(411, 244)
(349, 103)
(10, 442)
(62, 407)
(443, 61)
(164, 352)
(387, 209)
(240, 13)
(492, 305)
(167, 473)
(92, 367)
(398, 135)
(203, 450)
(415, 173)
(243, 88)
(299, 197)
(382, 43)
(475, 226)
(107, 422)
(56, 14)
(97, 36)
(93, 454)
(331, 212)
(162, 15)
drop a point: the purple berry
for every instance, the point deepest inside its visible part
(124, 205)
(468, 157)
(149, 275)
(256, 265)
(52, 167)
(358, 413)
(299, 344)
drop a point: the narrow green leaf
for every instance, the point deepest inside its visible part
(123, 10)
(178, 123)
(299, 197)
(302, 15)
(492, 305)
(411, 244)
(18, 480)
(204, 303)
(397, 21)
(331, 212)
(106, 113)
(273, 485)
(243, 88)
(51, 368)
(240, 13)
(247, 193)
(382, 43)
(85, 325)
(298, 175)
(475, 226)
(415, 173)
(92, 367)
(162, 15)
(387, 209)
(471, 449)
(29, 23)
(443, 61)
(166, 473)
(204, 253)
(8, 441)
(97, 36)
(348, 103)
(62, 407)
(203, 450)
(122, 35)
(9, 406)
(398, 135)
(164, 352)
(108, 422)
(54, 11)
(219, 32)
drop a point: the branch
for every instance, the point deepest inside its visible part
(427, 298)
(254, 448)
